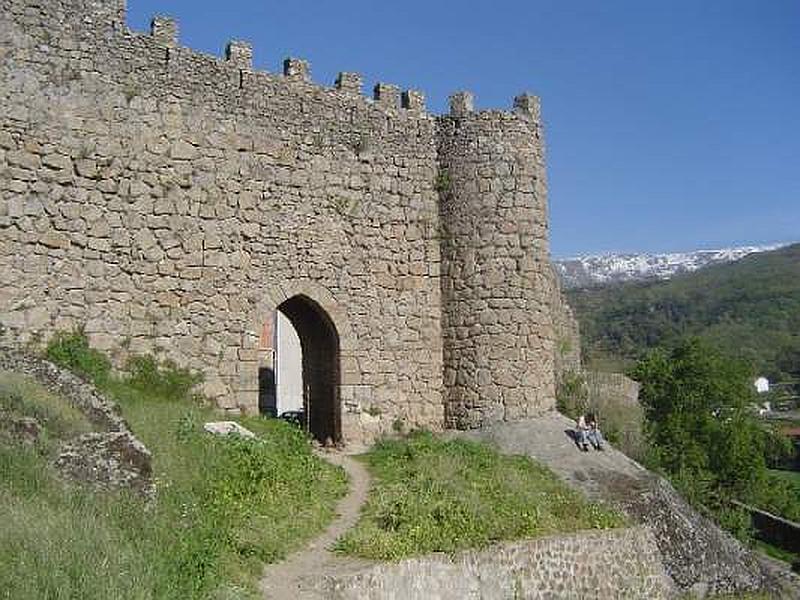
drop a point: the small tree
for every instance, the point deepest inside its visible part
(698, 424)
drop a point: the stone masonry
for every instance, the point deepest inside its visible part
(169, 202)
(621, 563)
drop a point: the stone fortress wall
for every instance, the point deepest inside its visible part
(170, 201)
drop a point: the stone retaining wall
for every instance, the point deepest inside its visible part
(622, 563)
(611, 388)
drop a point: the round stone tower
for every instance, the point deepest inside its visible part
(496, 277)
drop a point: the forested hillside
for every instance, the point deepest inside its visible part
(749, 308)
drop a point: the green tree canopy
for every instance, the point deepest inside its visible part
(699, 426)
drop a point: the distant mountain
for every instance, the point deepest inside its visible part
(592, 270)
(750, 308)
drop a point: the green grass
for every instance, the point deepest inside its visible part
(775, 552)
(225, 506)
(21, 396)
(433, 495)
(793, 477)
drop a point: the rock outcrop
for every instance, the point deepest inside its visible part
(111, 458)
(698, 555)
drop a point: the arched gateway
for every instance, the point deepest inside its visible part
(319, 343)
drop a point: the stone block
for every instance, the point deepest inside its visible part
(386, 95)
(164, 30)
(227, 428)
(349, 82)
(413, 100)
(462, 104)
(239, 54)
(297, 69)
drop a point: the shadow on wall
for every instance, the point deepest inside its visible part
(267, 396)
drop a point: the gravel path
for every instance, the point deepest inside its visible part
(300, 576)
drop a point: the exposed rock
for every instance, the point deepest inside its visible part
(225, 428)
(79, 393)
(112, 460)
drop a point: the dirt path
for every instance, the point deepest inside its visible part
(300, 575)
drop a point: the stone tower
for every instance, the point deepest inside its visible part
(498, 341)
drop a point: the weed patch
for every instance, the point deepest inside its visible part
(225, 506)
(71, 350)
(432, 495)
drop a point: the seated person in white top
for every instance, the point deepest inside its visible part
(587, 431)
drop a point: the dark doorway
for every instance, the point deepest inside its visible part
(267, 404)
(319, 343)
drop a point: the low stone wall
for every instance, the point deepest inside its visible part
(621, 563)
(109, 459)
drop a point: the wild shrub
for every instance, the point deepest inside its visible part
(572, 394)
(702, 434)
(71, 350)
(164, 379)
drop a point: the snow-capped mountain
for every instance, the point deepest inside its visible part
(584, 271)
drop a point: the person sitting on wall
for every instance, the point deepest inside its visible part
(594, 435)
(588, 431)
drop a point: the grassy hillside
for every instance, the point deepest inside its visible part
(433, 495)
(225, 506)
(749, 308)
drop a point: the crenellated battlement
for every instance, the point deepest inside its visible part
(164, 31)
(239, 54)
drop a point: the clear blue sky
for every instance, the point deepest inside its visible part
(671, 124)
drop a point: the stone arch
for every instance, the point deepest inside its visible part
(321, 368)
(327, 343)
